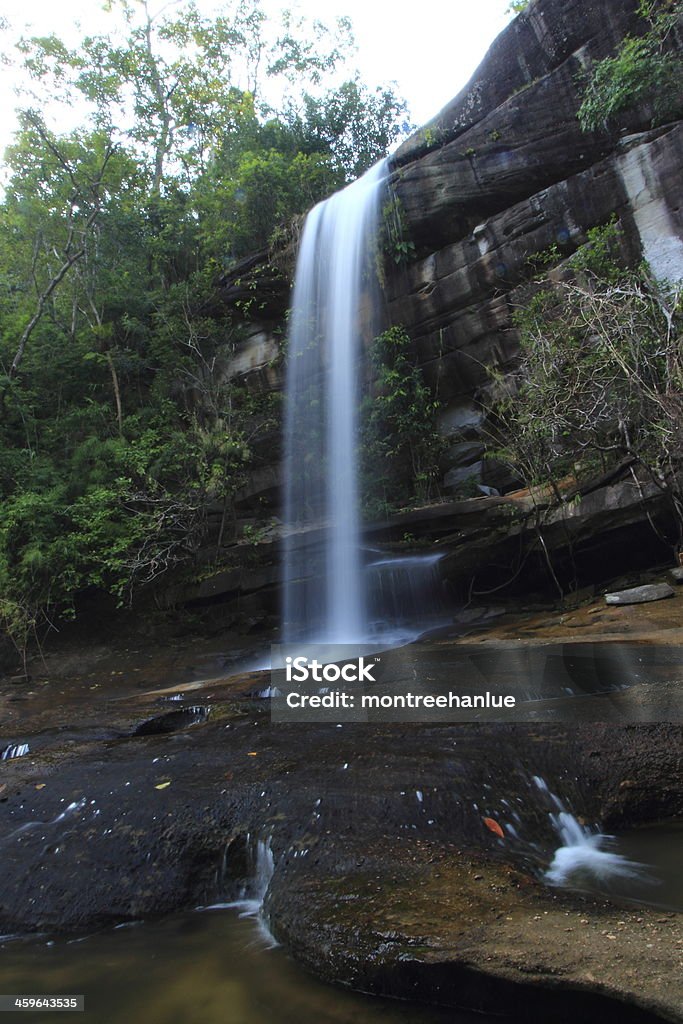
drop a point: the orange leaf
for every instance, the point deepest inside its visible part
(494, 827)
(252, 753)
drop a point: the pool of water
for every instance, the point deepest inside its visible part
(210, 967)
(642, 866)
(659, 848)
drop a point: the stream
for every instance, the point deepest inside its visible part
(214, 967)
(73, 850)
(219, 966)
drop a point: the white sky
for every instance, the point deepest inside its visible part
(430, 51)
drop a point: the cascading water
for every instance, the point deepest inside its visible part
(14, 750)
(252, 898)
(404, 591)
(324, 598)
(585, 856)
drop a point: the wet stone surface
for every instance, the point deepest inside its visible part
(387, 875)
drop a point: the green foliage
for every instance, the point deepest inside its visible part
(600, 378)
(517, 6)
(600, 256)
(356, 125)
(401, 445)
(394, 240)
(645, 69)
(119, 422)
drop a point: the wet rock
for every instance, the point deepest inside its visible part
(463, 476)
(641, 595)
(676, 574)
(118, 830)
(172, 721)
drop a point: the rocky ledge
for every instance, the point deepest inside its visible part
(148, 795)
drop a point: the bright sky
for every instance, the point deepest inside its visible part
(430, 51)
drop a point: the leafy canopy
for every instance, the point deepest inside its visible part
(124, 438)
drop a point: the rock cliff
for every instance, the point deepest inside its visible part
(500, 175)
(503, 173)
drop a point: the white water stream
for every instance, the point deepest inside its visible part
(332, 307)
(330, 595)
(585, 856)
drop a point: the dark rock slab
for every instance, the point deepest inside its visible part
(386, 875)
(640, 595)
(535, 44)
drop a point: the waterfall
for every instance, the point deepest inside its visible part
(405, 591)
(252, 898)
(324, 593)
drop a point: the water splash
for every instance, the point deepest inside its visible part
(586, 856)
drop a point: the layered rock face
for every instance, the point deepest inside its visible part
(500, 175)
(503, 173)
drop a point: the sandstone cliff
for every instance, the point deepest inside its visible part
(504, 172)
(501, 174)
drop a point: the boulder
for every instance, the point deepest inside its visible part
(640, 595)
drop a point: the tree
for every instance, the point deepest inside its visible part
(120, 424)
(72, 175)
(356, 125)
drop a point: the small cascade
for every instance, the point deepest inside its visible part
(252, 898)
(173, 721)
(29, 826)
(264, 866)
(586, 857)
(405, 592)
(14, 750)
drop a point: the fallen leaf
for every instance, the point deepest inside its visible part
(3, 787)
(162, 785)
(252, 753)
(40, 785)
(494, 827)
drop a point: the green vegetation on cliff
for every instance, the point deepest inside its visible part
(401, 444)
(599, 385)
(119, 425)
(646, 70)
